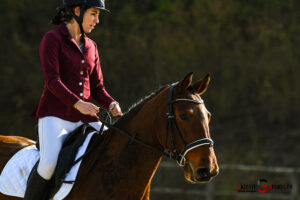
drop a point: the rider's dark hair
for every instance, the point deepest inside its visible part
(62, 15)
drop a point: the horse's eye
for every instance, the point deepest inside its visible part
(184, 117)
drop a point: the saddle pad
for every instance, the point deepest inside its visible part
(14, 176)
(13, 179)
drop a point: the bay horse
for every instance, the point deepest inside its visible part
(122, 167)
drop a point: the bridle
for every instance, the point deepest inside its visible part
(173, 154)
(180, 157)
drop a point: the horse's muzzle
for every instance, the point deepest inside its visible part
(201, 175)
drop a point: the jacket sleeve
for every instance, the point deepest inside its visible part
(97, 86)
(49, 58)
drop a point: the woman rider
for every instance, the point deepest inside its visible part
(73, 79)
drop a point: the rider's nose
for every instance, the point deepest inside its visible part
(203, 172)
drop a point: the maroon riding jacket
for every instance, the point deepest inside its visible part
(69, 75)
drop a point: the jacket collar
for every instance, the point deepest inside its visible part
(64, 31)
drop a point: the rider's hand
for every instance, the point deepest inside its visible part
(86, 108)
(115, 109)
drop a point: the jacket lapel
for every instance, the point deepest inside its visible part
(64, 31)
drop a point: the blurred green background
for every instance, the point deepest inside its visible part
(250, 48)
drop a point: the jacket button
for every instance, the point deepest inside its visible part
(82, 61)
(80, 83)
(81, 72)
(81, 94)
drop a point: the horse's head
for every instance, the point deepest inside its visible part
(188, 137)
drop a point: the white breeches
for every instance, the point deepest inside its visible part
(52, 133)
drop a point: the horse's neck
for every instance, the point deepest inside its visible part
(146, 125)
(129, 166)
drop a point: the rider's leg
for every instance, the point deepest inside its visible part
(52, 133)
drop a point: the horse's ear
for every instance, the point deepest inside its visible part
(186, 82)
(201, 86)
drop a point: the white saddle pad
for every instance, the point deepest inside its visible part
(13, 179)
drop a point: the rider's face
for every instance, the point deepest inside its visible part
(90, 19)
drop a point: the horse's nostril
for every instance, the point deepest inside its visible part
(203, 172)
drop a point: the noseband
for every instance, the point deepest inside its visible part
(174, 154)
(180, 157)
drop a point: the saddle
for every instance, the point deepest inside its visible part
(66, 159)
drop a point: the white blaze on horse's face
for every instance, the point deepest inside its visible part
(202, 163)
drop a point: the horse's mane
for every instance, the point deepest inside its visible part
(135, 108)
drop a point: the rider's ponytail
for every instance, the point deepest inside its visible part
(62, 15)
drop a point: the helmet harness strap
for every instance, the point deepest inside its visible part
(79, 19)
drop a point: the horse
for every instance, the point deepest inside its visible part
(172, 121)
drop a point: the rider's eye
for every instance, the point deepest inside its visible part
(184, 117)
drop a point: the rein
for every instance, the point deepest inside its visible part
(173, 154)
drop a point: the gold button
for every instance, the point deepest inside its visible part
(81, 72)
(82, 61)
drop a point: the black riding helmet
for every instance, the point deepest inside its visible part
(84, 5)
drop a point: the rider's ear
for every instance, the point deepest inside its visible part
(77, 11)
(201, 86)
(186, 82)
